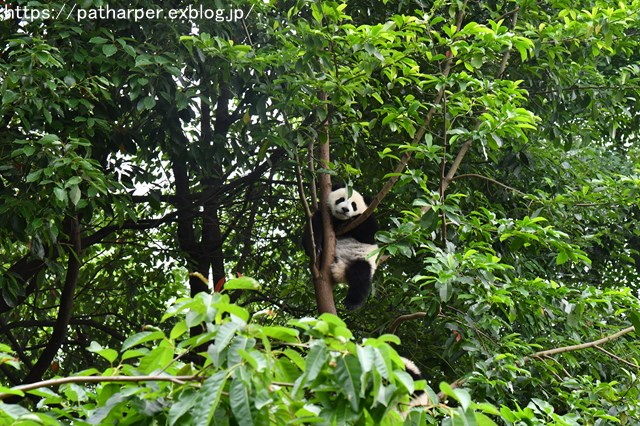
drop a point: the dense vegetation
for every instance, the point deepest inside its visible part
(148, 167)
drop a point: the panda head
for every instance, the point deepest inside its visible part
(342, 206)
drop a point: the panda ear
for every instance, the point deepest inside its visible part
(336, 186)
(367, 200)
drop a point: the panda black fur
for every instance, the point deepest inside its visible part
(352, 264)
(420, 398)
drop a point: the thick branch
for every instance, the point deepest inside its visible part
(323, 282)
(66, 305)
(73, 321)
(550, 352)
(582, 345)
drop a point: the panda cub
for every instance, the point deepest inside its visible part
(419, 398)
(352, 264)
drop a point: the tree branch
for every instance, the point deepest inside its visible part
(598, 342)
(505, 57)
(102, 379)
(550, 352)
(404, 160)
(402, 318)
(66, 305)
(323, 282)
(487, 179)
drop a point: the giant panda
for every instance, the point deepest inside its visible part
(352, 264)
(420, 398)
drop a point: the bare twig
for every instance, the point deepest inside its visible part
(616, 357)
(308, 215)
(505, 57)
(487, 179)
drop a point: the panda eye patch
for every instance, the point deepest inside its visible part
(355, 207)
(339, 200)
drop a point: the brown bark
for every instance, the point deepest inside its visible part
(66, 305)
(322, 281)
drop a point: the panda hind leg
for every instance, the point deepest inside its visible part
(358, 276)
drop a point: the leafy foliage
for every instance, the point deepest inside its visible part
(499, 136)
(253, 374)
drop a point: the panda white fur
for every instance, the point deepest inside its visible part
(420, 398)
(352, 264)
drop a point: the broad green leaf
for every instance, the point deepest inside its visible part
(98, 40)
(157, 359)
(109, 354)
(281, 333)
(186, 401)
(142, 337)
(75, 194)
(634, 317)
(207, 399)
(239, 400)
(316, 360)
(225, 334)
(60, 194)
(34, 176)
(348, 373)
(109, 50)
(242, 283)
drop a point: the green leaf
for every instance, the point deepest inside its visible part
(148, 102)
(157, 359)
(242, 283)
(134, 353)
(178, 330)
(33, 176)
(185, 402)
(208, 398)
(239, 400)
(562, 257)
(316, 12)
(143, 60)
(75, 194)
(406, 380)
(284, 334)
(366, 356)
(225, 334)
(109, 50)
(142, 337)
(98, 40)
(48, 396)
(60, 194)
(73, 180)
(634, 317)
(109, 354)
(463, 397)
(348, 373)
(316, 360)
(8, 97)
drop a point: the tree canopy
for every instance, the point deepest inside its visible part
(154, 156)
